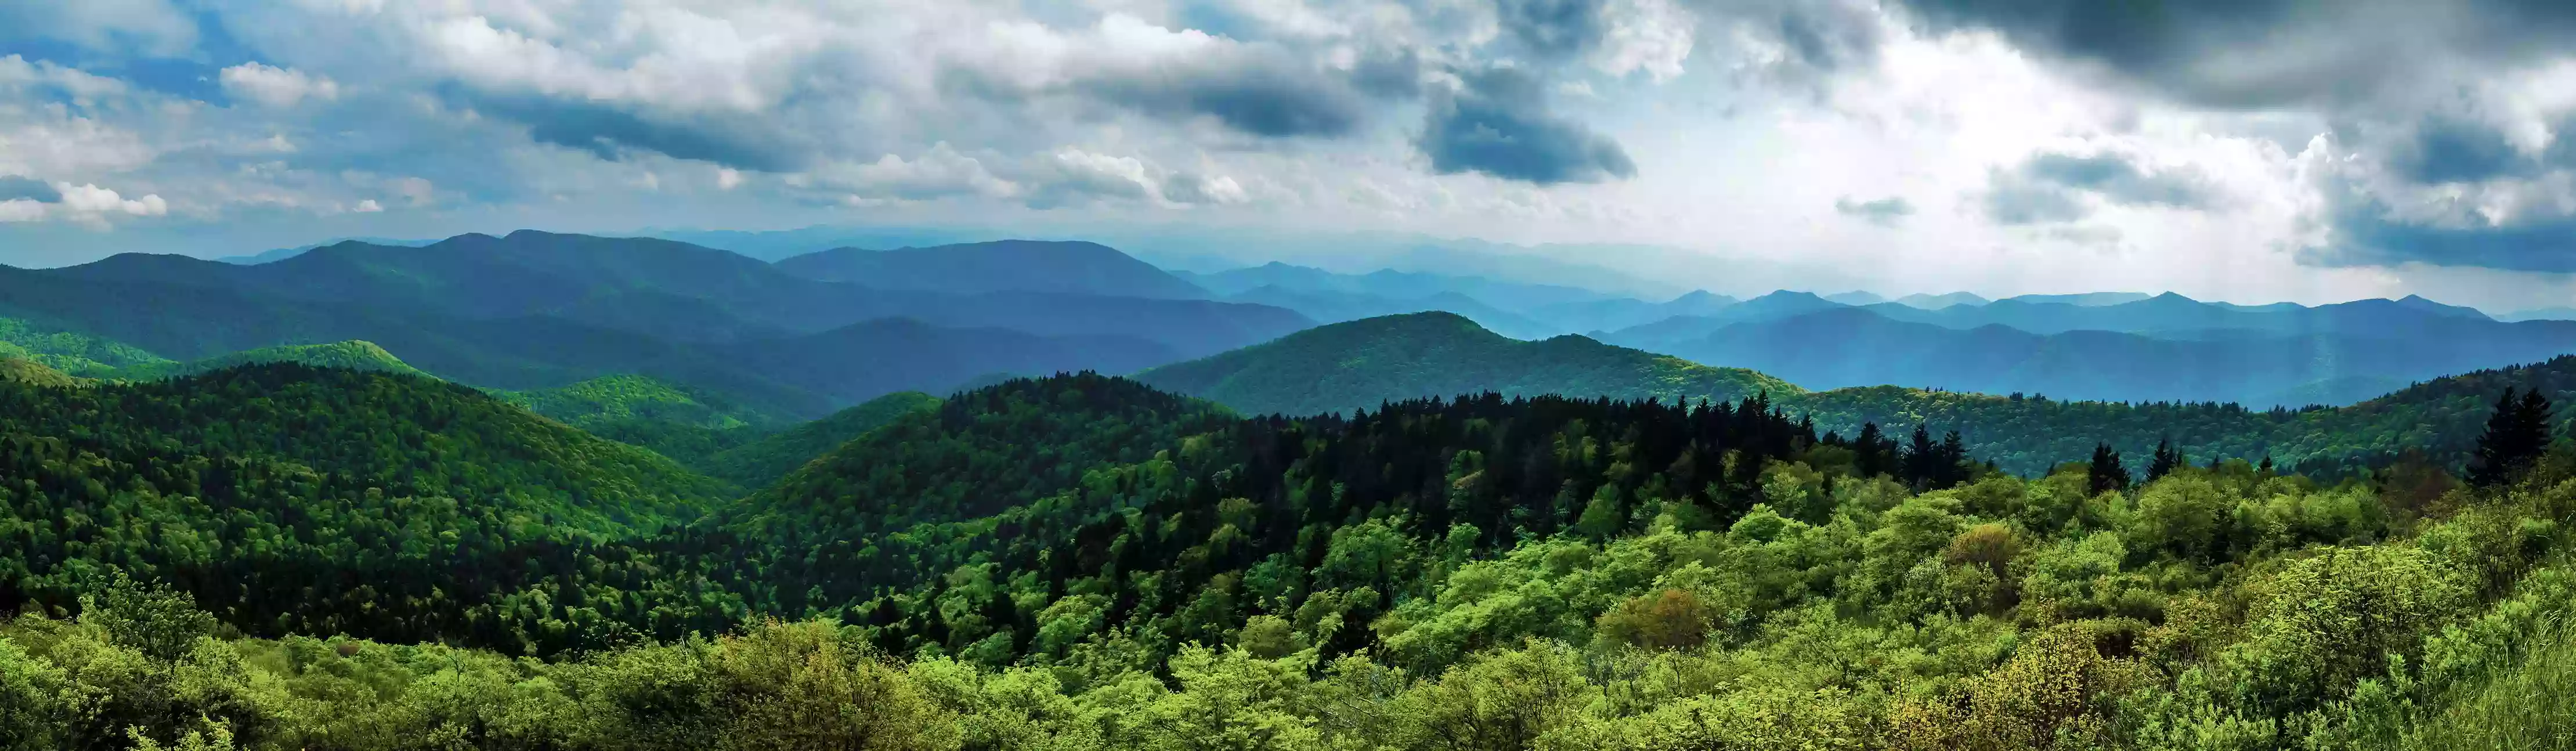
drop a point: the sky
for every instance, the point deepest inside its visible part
(2243, 150)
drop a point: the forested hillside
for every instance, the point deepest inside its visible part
(1364, 363)
(1081, 561)
(291, 499)
(1394, 358)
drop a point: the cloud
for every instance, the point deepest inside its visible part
(20, 188)
(148, 27)
(1498, 124)
(368, 206)
(1187, 188)
(2017, 201)
(26, 200)
(1262, 90)
(91, 199)
(2456, 149)
(275, 87)
(2050, 187)
(939, 172)
(1885, 212)
(2273, 53)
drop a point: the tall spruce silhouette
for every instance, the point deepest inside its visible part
(2516, 435)
(2106, 473)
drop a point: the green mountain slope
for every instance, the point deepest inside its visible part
(352, 355)
(67, 351)
(763, 461)
(33, 373)
(1359, 364)
(289, 498)
(1085, 559)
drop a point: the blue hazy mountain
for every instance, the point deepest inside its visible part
(1853, 346)
(1003, 265)
(534, 310)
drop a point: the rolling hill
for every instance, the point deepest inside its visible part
(1359, 364)
(352, 355)
(758, 463)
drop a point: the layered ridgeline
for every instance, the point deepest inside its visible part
(1356, 365)
(534, 310)
(2123, 348)
(1082, 561)
(1361, 364)
(291, 499)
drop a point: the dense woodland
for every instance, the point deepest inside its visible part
(281, 556)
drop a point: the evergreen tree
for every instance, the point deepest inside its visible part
(1953, 458)
(1869, 451)
(1922, 458)
(2166, 458)
(2516, 434)
(2106, 473)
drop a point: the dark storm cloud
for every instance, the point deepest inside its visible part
(611, 133)
(2267, 53)
(1266, 93)
(21, 188)
(2365, 236)
(1499, 124)
(2450, 149)
(2049, 188)
(1885, 212)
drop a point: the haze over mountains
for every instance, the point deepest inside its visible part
(815, 331)
(534, 309)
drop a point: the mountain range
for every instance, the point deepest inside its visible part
(537, 310)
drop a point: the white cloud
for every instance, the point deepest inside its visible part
(276, 87)
(91, 199)
(938, 172)
(21, 210)
(728, 178)
(368, 206)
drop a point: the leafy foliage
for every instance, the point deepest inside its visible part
(67, 351)
(763, 461)
(293, 499)
(1084, 562)
(353, 355)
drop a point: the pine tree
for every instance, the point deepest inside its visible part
(1869, 453)
(2516, 434)
(1922, 458)
(2106, 473)
(2165, 460)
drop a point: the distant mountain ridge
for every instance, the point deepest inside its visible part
(538, 310)
(999, 266)
(1356, 365)
(1361, 364)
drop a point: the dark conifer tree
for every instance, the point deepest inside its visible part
(1922, 458)
(2106, 473)
(1869, 451)
(2516, 434)
(2164, 461)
